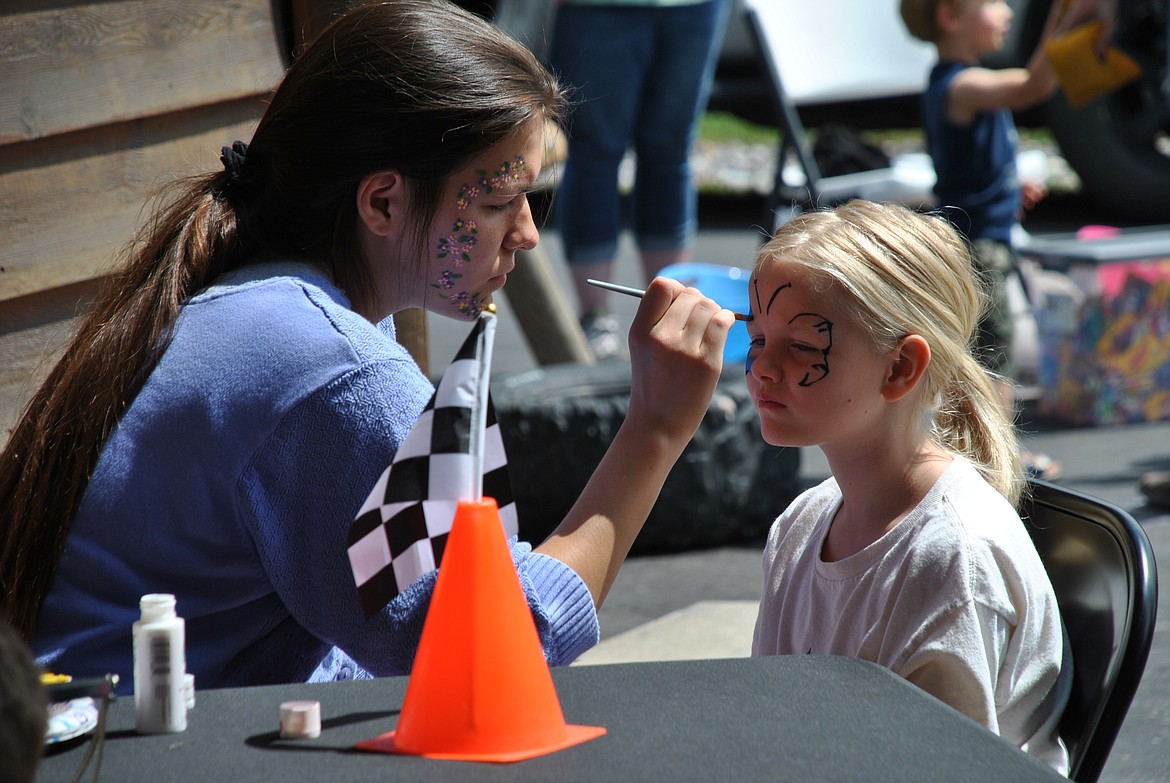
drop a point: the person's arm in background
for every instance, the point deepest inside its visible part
(1103, 11)
(980, 89)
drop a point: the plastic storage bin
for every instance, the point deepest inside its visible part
(1105, 334)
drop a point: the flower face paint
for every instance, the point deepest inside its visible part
(458, 245)
(484, 222)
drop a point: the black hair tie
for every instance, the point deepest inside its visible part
(234, 158)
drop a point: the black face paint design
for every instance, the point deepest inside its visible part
(820, 325)
(759, 307)
(824, 330)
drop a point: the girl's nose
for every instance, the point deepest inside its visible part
(524, 234)
(760, 365)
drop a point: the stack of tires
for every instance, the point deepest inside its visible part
(557, 422)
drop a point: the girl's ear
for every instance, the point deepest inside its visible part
(910, 360)
(380, 202)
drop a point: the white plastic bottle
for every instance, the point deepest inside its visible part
(160, 665)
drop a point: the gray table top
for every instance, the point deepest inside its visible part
(782, 718)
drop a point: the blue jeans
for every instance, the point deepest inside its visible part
(641, 77)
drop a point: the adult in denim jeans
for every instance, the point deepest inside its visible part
(642, 72)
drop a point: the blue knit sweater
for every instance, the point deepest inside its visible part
(231, 482)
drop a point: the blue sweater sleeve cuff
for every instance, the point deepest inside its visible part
(566, 619)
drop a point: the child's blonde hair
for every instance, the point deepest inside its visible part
(920, 16)
(903, 272)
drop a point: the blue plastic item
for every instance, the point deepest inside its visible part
(727, 285)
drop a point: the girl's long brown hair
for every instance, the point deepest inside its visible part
(417, 86)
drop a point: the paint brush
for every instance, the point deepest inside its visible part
(638, 292)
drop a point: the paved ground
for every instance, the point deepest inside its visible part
(702, 604)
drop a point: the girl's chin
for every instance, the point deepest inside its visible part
(782, 437)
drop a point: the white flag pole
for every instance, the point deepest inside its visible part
(479, 411)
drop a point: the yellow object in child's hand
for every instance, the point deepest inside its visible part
(48, 678)
(1083, 74)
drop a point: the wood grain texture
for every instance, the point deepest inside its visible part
(71, 202)
(101, 103)
(67, 66)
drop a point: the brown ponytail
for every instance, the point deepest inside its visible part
(47, 463)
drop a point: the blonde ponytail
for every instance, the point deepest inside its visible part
(970, 421)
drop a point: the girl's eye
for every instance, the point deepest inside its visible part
(805, 348)
(757, 342)
(510, 204)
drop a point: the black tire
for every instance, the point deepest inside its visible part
(1118, 144)
(1112, 145)
(557, 422)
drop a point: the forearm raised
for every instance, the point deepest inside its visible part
(598, 532)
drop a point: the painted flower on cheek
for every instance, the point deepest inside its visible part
(468, 304)
(446, 280)
(457, 245)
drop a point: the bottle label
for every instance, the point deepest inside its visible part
(160, 654)
(160, 672)
(159, 695)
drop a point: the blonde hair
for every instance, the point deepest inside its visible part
(903, 272)
(920, 16)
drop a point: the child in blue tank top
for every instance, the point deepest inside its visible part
(971, 137)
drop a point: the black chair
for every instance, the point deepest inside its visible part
(1102, 568)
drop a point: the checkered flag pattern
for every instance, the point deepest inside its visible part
(454, 452)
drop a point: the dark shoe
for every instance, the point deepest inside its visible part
(1156, 487)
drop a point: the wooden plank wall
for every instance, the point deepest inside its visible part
(100, 104)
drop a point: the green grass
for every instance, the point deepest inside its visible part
(724, 127)
(720, 128)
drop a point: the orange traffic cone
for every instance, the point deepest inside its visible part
(480, 689)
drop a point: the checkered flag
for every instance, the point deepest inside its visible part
(454, 452)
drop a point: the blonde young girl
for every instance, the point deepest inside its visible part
(912, 554)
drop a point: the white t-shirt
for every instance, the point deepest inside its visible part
(954, 598)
